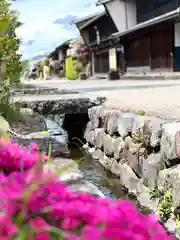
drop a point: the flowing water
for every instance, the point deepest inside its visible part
(104, 180)
(95, 173)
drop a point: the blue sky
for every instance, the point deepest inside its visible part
(47, 23)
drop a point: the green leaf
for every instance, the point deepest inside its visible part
(10, 64)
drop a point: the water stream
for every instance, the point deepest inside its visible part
(95, 173)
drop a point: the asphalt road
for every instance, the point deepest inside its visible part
(103, 85)
(157, 97)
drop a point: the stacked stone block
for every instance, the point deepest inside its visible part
(143, 151)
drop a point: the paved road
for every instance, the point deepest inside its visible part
(159, 98)
(102, 85)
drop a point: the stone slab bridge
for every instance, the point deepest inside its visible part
(51, 104)
(68, 108)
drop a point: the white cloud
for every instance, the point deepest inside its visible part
(38, 33)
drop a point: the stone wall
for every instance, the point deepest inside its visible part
(61, 105)
(53, 101)
(143, 151)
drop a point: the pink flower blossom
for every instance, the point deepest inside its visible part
(39, 199)
(40, 227)
(69, 223)
(16, 158)
(7, 227)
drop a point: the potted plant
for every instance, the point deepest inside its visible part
(113, 74)
(82, 76)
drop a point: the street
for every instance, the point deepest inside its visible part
(158, 98)
(101, 85)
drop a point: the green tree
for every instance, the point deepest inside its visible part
(9, 42)
(10, 64)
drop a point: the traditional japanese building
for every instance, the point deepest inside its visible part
(97, 30)
(149, 31)
(60, 52)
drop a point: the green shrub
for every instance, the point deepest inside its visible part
(46, 62)
(141, 112)
(70, 68)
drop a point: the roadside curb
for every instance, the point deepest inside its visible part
(144, 77)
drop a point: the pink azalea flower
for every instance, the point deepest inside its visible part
(69, 223)
(7, 228)
(40, 227)
(95, 218)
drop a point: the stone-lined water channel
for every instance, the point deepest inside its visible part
(74, 123)
(94, 172)
(87, 174)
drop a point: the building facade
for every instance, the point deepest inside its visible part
(149, 31)
(97, 32)
(150, 9)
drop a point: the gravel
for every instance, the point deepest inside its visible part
(161, 102)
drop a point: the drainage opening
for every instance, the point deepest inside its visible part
(75, 125)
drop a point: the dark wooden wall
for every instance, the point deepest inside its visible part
(147, 9)
(102, 62)
(106, 29)
(105, 26)
(162, 45)
(150, 47)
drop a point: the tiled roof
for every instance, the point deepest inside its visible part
(92, 20)
(89, 19)
(77, 40)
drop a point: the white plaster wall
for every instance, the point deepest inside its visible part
(131, 13)
(177, 34)
(123, 13)
(116, 9)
